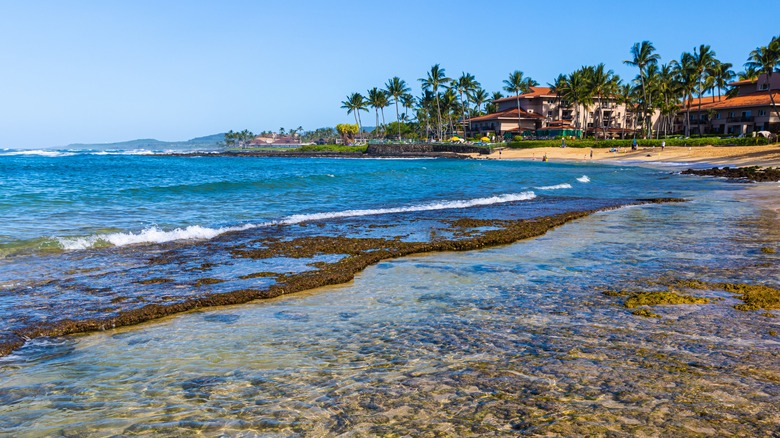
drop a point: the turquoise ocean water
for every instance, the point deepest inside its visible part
(501, 341)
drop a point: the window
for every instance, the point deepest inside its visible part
(549, 113)
(590, 114)
(761, 112)
(731, 113)
(717, 116)
(764, 86)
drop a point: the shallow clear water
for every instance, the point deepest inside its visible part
(502, 341)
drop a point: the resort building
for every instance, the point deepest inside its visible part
(544, 114)
(747, 110)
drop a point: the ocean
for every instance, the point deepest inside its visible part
(115, 267)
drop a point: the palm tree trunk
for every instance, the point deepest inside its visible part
(397, 119)
(438, 115)
(623, 127)
(644, 102)
(518, 112)
(698, 122)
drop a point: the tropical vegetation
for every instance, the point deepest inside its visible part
(444, 106)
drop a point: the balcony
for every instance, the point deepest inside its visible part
(740, 119)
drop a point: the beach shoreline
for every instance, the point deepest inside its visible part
(764, 156)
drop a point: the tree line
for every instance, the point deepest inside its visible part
(666, 88)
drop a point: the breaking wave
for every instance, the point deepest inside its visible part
(583, 179)
(38, 152)
(197, 232)
(555, 187)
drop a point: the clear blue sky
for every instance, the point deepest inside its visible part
(105, 71)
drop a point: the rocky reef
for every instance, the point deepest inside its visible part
(744, 174)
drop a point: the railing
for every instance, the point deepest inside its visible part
(740, 119)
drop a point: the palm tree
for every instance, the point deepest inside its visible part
(625, 94)
(354, 104)
(556, 88)
(490, 106)
(465, 84)
(722, 74)
(750, 73)
(652, 84)
(703, 59)
(602, 83)
(396, 87)
(435, 79)
(450, 107)
(407, 101)
(765, 59)
(518, 84)
(424, 110)
(377, 99)
(575, 91)
(668, 90)
(479, 97)
(642, 56)
(687, 77)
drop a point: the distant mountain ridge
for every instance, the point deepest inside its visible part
(150, 143)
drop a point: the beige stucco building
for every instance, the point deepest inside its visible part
(750, 110)
(544, 114)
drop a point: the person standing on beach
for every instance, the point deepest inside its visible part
(663, 145)
(591, 154)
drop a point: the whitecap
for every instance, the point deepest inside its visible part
(583, 179)
(555, 187)
(40, 153)
(196, 232)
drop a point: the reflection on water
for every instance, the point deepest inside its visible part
(509, 340)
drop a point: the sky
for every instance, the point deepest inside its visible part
(106, 71)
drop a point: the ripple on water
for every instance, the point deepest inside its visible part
(439, 345)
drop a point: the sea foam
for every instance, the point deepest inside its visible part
(583, 179)
(555, 187)
(197, 232)
(39, 152)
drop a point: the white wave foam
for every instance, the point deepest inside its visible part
(40, 152)
(444, 205)
(156, 235)
(583, 179)
(149, 235)
(555, 187)
(123, 152)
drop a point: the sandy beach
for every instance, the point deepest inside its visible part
(716, 155)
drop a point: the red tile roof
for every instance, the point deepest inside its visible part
(535, 92)
(508, 114)
(759, 98)
(744, 82)
(705, 101)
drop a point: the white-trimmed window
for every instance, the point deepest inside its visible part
(761, 113)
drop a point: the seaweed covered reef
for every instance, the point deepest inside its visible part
(247, 265)
(753, 296)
